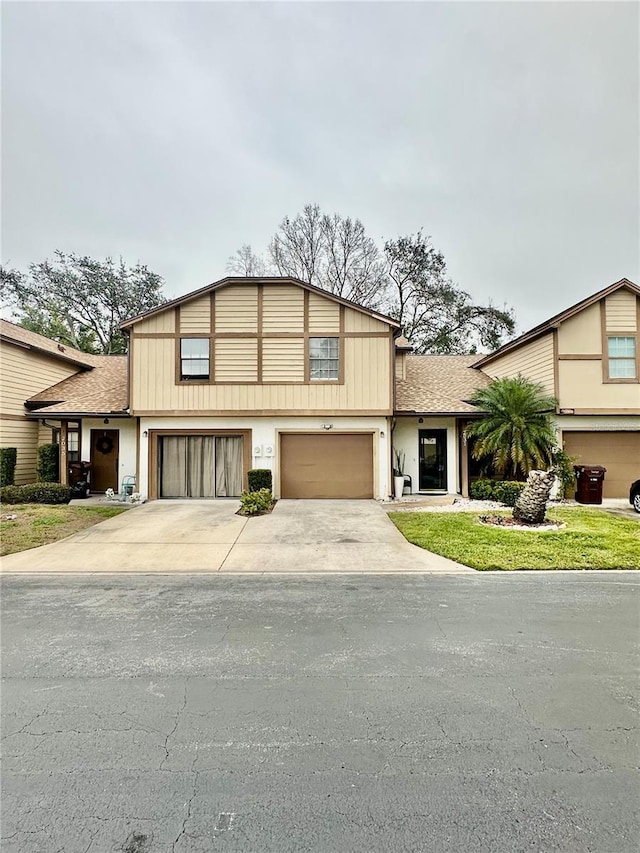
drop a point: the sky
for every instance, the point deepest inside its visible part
(173, 133)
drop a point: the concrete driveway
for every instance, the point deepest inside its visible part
(208, 536)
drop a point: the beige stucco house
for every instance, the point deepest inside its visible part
(275, 373)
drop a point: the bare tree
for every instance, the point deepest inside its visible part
(245, 262)
(296, 249)
(354, 266)
(331, 252)
(408, 280)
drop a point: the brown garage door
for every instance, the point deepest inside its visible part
(326, 466)
(619, 452)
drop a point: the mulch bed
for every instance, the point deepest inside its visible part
(508, 521)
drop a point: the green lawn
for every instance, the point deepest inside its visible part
(40, 524)
(592, 539)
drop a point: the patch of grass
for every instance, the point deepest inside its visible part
(592, 539)
(40, 524)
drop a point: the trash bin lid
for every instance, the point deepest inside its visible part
(593, 470)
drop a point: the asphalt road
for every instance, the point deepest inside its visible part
(147, 714)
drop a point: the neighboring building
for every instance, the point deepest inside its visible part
(275, 373)
(29, 363)
(589, 359)
(82, 393)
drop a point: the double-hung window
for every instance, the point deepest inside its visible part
(622, 357)
(194, 359)
(324, 359)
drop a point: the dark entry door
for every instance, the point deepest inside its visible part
(432, 460)
(104, 460)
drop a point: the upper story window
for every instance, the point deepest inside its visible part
(622, 357)
(194, 358)
(324, 358)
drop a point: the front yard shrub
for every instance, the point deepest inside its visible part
(48, 463)
(260, 478)
(481, 490)
(8, 458)
(36, 493)
(563, 468)
(256, 503)
(507, 492)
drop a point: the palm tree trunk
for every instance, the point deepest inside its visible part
(531, 506)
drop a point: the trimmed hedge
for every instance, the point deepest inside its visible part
(36, 493)
(481, 490)
(505, 492)
(8, 459)
(260, 478)
(48, 470)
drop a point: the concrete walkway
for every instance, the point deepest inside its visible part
(207, 536)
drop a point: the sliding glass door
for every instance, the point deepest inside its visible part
(199, 466)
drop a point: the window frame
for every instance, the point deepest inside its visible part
(76, 429)
(339, 359)
(608, 359)
(197, 379)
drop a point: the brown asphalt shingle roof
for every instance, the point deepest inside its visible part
(439, 384)
(102, 390)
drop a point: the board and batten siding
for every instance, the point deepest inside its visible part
(195, 316)
(534, 361)
(282, 308)
(283, 360)
(163, 323)
(24, 372)
(236, 360)
(258, 352)
(621, 311)
(324, 315)
(366, 382)
(236, 309)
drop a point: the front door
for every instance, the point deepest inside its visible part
(104, 460)
(432, 460)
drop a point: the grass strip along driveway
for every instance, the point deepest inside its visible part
(41, 524)
(590, 540)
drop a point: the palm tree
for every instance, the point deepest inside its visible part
(515, 429)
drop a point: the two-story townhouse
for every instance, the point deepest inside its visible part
(268, 372)
(588, 357)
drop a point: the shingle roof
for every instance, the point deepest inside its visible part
(32, 340)
(102, 390)
(439, 384)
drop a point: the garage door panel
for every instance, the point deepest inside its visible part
(619, 452)
(338, 465)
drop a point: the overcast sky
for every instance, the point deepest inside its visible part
(172, 133)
